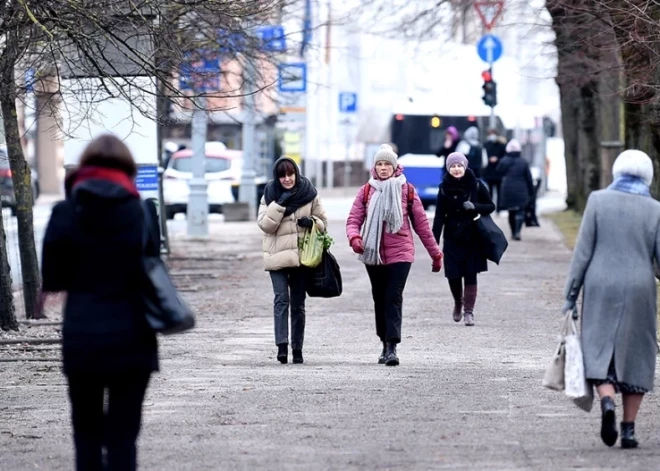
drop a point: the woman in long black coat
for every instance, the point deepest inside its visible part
(93, 251)
(461, 200)
(517, 186)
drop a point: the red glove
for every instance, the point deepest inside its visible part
(437, 264)
(357, 245)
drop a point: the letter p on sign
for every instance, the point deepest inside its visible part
(347, 102)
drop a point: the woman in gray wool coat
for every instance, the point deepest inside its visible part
(613, 261)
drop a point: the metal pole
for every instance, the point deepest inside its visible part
(248, 191)
(491, 120)
(347, 168)
(330, 170)
(198, 205)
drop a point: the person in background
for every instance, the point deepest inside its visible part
(452, 138)
(92, 250)
(461, 200)
(613, 264)
(289, 207)
(495, 150)
(471, 148)
(517, 186)
(380, 229)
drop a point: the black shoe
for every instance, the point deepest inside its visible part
(390, 357)
(383, 355)
(608, 432)
(297, 356)
(282, 353)
(628, 439)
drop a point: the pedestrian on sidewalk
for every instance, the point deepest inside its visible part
(462, 198)
(495, 147)
(517, 186)
(289, 207)
(380, 228)
(452, 138)
(471, 148)
(92, 250)
(613, 263)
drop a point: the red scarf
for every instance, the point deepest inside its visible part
(108, 174)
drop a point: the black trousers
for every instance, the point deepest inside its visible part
(387, 285)
(115, 429)
(289, 291)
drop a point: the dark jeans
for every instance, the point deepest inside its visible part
(289, 290)
(115, 429)
(494, 187)
(516, 219)
(387, 284)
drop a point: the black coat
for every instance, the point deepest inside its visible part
(497, 150)
(445, 151)
(463, 255)
(517, 184)
(92, 250)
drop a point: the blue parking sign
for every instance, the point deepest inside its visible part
(347, 102)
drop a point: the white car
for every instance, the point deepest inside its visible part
(222, 169)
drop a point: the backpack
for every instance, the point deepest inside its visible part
(411, 198)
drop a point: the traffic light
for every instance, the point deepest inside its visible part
(490, 89)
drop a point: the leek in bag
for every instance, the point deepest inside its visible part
(311, 248)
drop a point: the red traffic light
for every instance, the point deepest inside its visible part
(486, 75)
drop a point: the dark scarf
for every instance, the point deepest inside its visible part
(100, 173)
(302, 193)
(465, 186)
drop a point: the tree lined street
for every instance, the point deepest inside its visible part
(463, 398)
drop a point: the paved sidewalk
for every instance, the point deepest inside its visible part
(463, 398)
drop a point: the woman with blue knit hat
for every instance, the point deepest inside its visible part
(613, 264)
(461, 200)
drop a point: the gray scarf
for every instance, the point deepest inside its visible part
(385, 208)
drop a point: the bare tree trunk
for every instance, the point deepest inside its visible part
(589, 142)
(7, 311)
(569, 100)
(22, 181)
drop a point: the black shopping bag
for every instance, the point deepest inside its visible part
(491, 238)
(325, 281)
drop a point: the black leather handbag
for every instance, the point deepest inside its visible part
(166, 312)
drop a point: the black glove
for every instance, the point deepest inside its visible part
(284, 197)
(306, 222)
(468, 206)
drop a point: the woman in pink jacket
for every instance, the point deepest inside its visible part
(379, 229)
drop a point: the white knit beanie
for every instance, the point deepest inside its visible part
(636, 163)
(387, 154)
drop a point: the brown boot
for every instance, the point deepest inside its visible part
(458, 311)
(470, 301)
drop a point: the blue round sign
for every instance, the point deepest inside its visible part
(489, 48)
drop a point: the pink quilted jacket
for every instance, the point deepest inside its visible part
(398, 247)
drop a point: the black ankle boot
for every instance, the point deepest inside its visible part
(383, 355)
(390, 357)
(628, 439)
(297, 356)
(608, 432)
(282, 353)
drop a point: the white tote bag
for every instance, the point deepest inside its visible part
(576, 385)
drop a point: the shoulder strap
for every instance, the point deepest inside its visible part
(365, 194)
(411, 200)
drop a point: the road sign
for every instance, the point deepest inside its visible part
(272, 37)
(489, 11)
(292, 77)
(489, 48)
(147, 178)
(347, 102)
(200, 72)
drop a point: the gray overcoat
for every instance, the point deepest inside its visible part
(613, 261)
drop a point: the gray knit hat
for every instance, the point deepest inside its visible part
(387, 154)
(456, 158)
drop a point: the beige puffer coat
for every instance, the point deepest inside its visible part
(280, 245)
